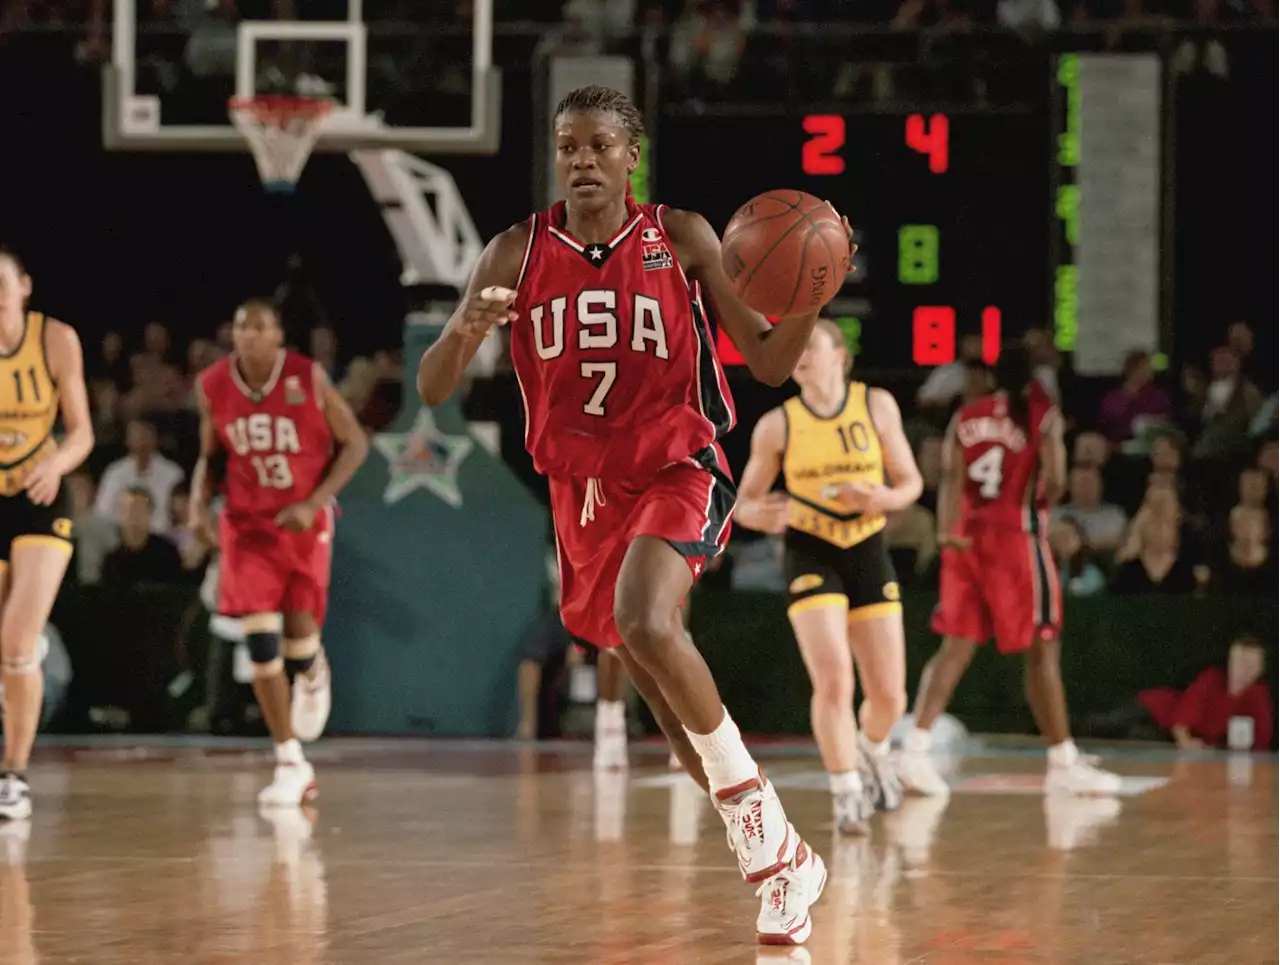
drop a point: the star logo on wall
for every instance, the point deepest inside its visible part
(424, 457)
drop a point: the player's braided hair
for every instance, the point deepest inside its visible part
(595, 98)
(604, 100)
(1014, 373)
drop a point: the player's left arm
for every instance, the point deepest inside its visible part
(66, 367)
(771, 351)
(353, 444)
(1053, 455)
(905, 482)
(950, 490)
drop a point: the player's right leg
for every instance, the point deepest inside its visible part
(306, 599)
(963, 620)
(819, 623)
(1029, 618)
(251, 586)
(36, 566)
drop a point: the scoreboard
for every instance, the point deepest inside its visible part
(951, 213)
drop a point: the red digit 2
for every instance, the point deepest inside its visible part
(818, 154)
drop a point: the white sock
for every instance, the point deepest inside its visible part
(846, 782)
(611, 715)
(874, 748)
(290, 752)
(1064, 754)
(725, 758)
(917, 741)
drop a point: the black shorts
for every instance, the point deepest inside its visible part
(819, 573)
(21, 520)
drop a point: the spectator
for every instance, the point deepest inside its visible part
(706, 45)
(95, 535)
(543, 656)
(946, 383)
(142, 556)
(1166, 453)
(1268, 460)
(1159, 566)
(111, 366)
(912, 536)
(143, 468)
(1247, 568)
(1127, 409)
(1102, 524)
(1080, 576)
(1045, 359)
(1200, 715)
(1091, 450)
(324, 349)
(1230, 402)
(1253, 489)
(1028, 16)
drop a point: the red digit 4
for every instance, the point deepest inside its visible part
(931, 138)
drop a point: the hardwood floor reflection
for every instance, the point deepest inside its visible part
(476, 854)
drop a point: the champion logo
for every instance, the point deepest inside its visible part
(650, 235)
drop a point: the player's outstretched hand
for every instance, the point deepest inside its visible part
(848, 230)
(297, 518)
(43, 483)
(486, 308)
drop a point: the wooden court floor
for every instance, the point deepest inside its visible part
(495, 854)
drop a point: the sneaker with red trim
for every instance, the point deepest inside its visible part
(312, 701)
(785, 899)
(759, 833)
(291, 786)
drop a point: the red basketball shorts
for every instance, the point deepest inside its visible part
(265, 569)
(1005, 585)
(688, 504)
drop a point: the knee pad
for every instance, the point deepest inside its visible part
(300, 654)
(262, 639)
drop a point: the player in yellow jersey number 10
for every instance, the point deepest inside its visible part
(847, 462)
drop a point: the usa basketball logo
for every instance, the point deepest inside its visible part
(293, 392)
(654, 253)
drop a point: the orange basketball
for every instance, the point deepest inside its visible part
(786, 253)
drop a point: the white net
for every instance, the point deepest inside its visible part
(281, 132)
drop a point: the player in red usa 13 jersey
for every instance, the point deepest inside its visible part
(290, 444)
(608, 305)
(1004, 464)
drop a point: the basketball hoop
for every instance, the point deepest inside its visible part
(281, 131)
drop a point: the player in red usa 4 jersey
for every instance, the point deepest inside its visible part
(608, 305)
(290, 444)
(1005, 463)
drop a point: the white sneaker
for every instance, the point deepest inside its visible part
(292, 786)
(759, 833)
(852, 811)
(611, 750)
(312, 700)
(1081, 779)
(918, 775)
(879, 778)
(15, 798)
(786, 897)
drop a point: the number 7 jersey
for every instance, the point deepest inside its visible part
(612, 349)
(1002, 480)
(277, 440)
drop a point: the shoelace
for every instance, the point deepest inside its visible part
(594, 497)
(781, 883)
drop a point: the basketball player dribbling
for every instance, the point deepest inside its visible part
(277, 420)
(41, 376)
(1004, 464)
(847, 462)
(624, 402)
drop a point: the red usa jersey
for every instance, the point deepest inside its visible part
(278, 442)
(1002, 485)
(613, 352)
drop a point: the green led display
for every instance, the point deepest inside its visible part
(640, 177)
(1066, 306)
(851, 325)
(1069, 139)
(1067, 209)
(918, 254)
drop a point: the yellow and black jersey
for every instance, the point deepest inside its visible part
(28, 406)
(822, 453)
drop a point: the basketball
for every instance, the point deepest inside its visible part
(786, 253)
